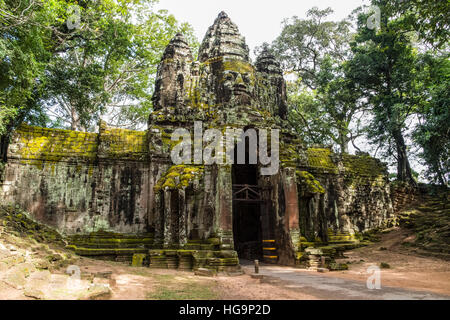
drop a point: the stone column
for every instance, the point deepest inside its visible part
(182, 227)
(158, 218)
(292, 208)
(167, 218)
(223, 221)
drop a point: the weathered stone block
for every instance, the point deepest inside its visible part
(138, 260)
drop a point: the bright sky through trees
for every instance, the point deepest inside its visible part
(258, 20)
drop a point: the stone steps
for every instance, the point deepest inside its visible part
(141, 251)
(270, 251)
(316, 255)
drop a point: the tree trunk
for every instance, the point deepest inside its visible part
(344, 145)
(75, 120)
(344, 141)
(4, 142)
(404, 172)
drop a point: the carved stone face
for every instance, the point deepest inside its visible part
(236, 82)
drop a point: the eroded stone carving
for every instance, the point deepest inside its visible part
(121, 184)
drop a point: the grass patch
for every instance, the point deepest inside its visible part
(142, 271)
(189, 290)
(164, 277)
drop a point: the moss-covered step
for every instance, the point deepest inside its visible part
(94, 252)
(192, 259)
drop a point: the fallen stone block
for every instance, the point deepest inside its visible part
(3, 267)
(15, 278)
(98, 291)
(87, 276)
(138, 260)
(104, 274)
(35, 288)
(41, 264)
(204, 272)
(26, 268)
(41, 275)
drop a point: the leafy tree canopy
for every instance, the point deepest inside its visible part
(66, 63)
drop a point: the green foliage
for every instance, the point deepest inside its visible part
(384, 67)
(322, 99)
(381, 88)
(72, 74)
(307, 116)
(6, 114)
(433, 132)
(429, 18)
(304, 43)
(108, 66)
(340, 99)
(24, 39)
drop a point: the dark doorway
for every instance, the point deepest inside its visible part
(247, 212)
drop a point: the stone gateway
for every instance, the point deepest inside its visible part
(117, 193)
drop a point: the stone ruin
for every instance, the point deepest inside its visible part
(116, 194)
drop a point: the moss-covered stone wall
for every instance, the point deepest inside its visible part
(79, 182)
(342, 193)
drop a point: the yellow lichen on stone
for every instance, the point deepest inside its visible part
(321, 159)
(41, 145)
(362, 165)
(123, 143)
(288, 154)
(53, 145)
(238, 66)
(178, 177)
(309, 181)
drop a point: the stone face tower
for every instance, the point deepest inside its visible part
(223, 90)
(222, 79)
(118, 192)
(236, 206)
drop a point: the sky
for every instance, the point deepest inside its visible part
(259, 21)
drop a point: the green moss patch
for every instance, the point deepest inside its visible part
(309, 183)
(124, 144)
(430, 222)
(363, 166)
(179, 177)
(18, 222)
(320, 159)
(34, 143)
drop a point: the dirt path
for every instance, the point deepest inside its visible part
(410, 277)
(29, 270)
(128, 283)
(334, 288)
(407, 269)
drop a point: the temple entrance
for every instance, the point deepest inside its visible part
(247, 205)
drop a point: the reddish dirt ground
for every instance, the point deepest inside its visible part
(407, 269)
